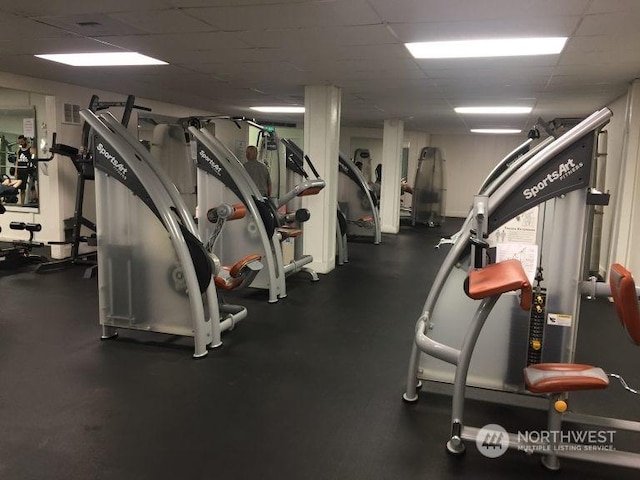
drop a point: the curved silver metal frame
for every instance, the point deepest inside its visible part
(202, 330)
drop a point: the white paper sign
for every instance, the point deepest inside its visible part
(29, 127)
(526, 254)
(521, 229)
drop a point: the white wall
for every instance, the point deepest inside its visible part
(353, 138)
(233, 137)
(615, 138)
(622, 217)
(469, 159)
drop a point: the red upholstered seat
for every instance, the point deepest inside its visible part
(498, 278)
(564, 377)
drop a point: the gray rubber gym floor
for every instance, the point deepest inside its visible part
(308, 388)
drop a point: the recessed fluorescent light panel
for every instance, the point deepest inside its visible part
(504, 47)
(102, 59)
(278, 109)
(493, 110)
(495, 130)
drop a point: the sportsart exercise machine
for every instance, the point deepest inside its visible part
(295, 161)
(154, 272)
(223, 179)
(357, 202)
(290, 181)
(429, 191)
(537, 332)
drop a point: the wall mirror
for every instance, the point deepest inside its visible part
(17, 162)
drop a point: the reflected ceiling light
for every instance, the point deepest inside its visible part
(495, 130)
(102, 59)
(278, 109)
(503, 47)
(493, 110)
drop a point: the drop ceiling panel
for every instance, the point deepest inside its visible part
(400, 67)
(35, 8)
(90, 24)
(174, 45)
(604, 43)
(232, 3)
(607, 6)
(265, 17)
(252, 68)
(162, 21)
(508, 27)
(426, 93)
(503, 63)
(601, 59)
(198, 59)
(13, 30)
(406, 11)
(227, 54)
(380, 85)
(377, 53)
(610, 23)
(33, 46)
(334, 36)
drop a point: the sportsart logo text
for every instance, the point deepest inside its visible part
(119, 167)
(564, 170)
(216, 168)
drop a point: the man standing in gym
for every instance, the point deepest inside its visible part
(258, 171)
(24, 155)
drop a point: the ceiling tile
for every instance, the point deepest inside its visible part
(162, 21)
(307, 14)
(407, 11)
(478, 29)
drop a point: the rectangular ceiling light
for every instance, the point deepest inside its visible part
(102, 59)
(493, 110)
(495, 130)
(279, 109)
(504, 47)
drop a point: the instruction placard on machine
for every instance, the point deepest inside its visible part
(521, 229)
(559, 319)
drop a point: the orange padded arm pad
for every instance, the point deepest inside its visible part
(499, 278)
(239, 211)
(237, 267)
(310, 191)
(625, 299)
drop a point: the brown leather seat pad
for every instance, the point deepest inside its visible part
(498, 278)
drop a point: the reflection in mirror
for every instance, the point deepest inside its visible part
(18, 157)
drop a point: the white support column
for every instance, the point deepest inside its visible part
(626, 229)
(392, 142)
(321, 140)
